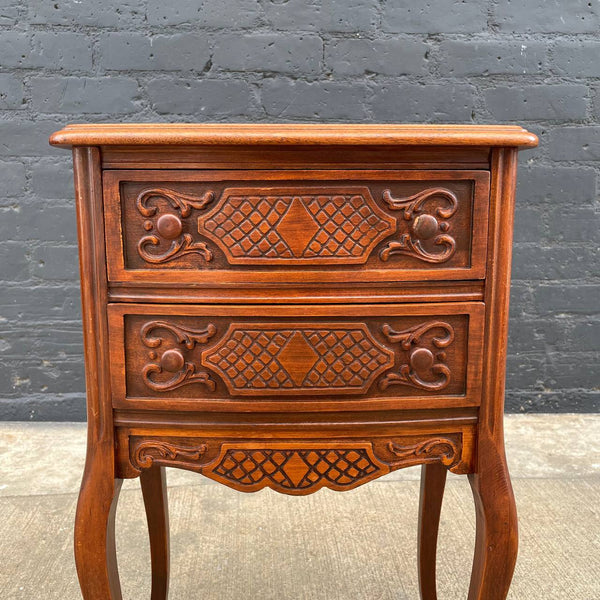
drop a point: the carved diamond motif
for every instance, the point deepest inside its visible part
(295, 358)
(296, 225)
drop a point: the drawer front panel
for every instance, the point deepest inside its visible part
(290, 358)
(317, 226)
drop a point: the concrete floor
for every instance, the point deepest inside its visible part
(326, 546)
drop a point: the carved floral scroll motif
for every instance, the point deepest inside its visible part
(425, 345)
(427, 214)
(173, 359)
(168, 227)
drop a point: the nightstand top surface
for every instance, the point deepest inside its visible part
(384, 134)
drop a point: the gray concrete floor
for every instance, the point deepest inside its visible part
(329, 546)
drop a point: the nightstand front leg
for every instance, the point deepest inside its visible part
(433, 482)
(154, 490)
(95, 547)
(496, 538)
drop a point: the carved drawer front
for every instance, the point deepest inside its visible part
(296, 466)
(295, 358)
(303, 226)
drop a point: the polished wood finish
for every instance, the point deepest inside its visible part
(295, 307)
(433, 482)
(154, 490)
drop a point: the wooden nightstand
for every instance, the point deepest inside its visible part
(295, 307)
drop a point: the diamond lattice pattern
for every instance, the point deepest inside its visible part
(306, 227)
(296, 469)
(332, 358)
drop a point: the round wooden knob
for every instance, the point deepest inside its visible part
(421, 359)
(172, 361)
(425, 226)
(169, 226)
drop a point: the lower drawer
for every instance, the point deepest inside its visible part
(295, 358)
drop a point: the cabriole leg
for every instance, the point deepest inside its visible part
(433, 482)
(154, 490)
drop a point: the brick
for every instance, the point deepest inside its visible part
(61, 339)
(575, 225)
(28, 304)
(12, 176)
(565, 369)
(13, 258)
(386, 57)
(9, 11)
(51, 179)
(578, 16)
(529, 224)
(556, 102)
(567, 298)
(435, 16)
(43, 374)
(564, 401)
(541, 185)
(575, 143)
(39, 220)
(533, 262)
(44, 407)
(269, 52)
(294, 15)
(529, 335)
(348, 15)
(11, 92)
(202, 98)
(525, 370)
(64, 50)
(106, 13)
(318, 100)
(407, 102)
(459, 59)
(135, 51)
(27, 138)
(84, 95)
(51, 262)
(14, 48)
(576, 59)
(587, 336)
(210, 13)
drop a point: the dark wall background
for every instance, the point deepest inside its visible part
(536, 63)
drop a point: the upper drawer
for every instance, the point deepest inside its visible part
(228, 227)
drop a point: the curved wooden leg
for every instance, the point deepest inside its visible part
(496, 539)
(154, 490)
(95, 549)
(433, 482)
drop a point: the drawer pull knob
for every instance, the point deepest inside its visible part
(172, 361)
(421, 359)
(169, 226)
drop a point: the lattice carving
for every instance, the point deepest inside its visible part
(427, 214)
(293, 358)
(297, 470)
(167, 229)
(155, 334)
(425, 344)
(294, 466)
(296, 225)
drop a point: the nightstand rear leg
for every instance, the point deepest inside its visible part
(496, 539)
(154, 490)
(433, 482)
(95, 548)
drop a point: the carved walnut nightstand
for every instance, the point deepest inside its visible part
(295, 307)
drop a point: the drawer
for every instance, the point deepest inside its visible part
(295, 358)
(265, 227)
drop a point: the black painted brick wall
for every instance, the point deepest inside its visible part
(535, 63)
